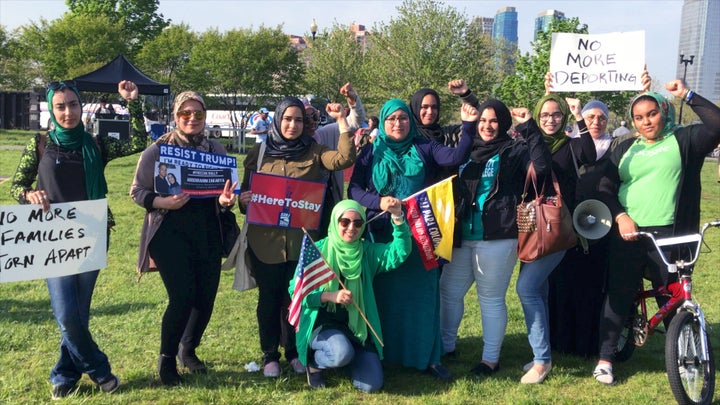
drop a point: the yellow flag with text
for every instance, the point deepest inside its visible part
(431, 216)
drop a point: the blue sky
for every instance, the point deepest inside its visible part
(661, 30)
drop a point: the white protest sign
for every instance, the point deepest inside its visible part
(70, 238)
(601, 62)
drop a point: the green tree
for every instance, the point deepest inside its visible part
(139, 19)
(17, 71)
(164, 57)
(334, 58)
(244, 68)
(71, 46)
(428, 45)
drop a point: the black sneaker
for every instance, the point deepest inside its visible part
(110, 385)
(60, 391)
(316, 379)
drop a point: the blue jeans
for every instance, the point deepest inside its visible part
(490, 265)
(333, 350)
(532, 287)
(70, 297)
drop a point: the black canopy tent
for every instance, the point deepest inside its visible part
(106, 79)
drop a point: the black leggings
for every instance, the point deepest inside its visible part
(191, 281)
(629, 261)
(272, 309)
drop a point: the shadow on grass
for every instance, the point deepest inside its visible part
(32, 311)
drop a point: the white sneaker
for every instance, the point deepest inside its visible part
(603, 374)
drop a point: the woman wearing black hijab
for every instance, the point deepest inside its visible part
(491, 184)
(273, 251)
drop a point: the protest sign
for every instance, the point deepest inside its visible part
(285, 202)
(70, 238)
(601, 62)
(194, 172)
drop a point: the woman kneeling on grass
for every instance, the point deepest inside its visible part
(332, 332)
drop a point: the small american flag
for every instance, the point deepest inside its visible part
(312, 272)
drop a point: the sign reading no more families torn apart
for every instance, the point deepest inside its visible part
(70, 238)
(601, 62)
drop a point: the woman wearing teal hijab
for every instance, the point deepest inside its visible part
(653, 185)
(400, 163)
(68, 165)
(332, 332)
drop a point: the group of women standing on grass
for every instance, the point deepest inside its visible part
(383, 303)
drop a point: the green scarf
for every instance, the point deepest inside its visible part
(346, 258)
(667, 111)
(557, 140)
(76, 138)
(397, 169)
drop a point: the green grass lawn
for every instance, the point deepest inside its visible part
(126, 318)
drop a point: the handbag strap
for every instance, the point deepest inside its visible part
(530, 177)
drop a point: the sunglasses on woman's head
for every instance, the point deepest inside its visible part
(59, 85)
(345, 222)
(185, 114)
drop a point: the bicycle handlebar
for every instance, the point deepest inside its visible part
(696, 238)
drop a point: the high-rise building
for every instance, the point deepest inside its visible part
(505, 25)
(485, 24)
(543, 20)
(700, 37)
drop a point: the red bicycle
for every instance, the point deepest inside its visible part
(689, 359)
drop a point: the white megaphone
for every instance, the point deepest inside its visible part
(592, 219)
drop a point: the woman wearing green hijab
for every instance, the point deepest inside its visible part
(653, 185)
(332, 332)
(551, 113)
(68, 165)
(399, 163)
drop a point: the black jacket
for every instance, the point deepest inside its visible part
(499, 209)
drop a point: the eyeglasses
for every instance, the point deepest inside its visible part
(345, 222)
(185, 114)
(556, 116)
(593, 117)
(59, 85)
(402, 119)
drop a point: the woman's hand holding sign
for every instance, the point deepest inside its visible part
(171, 202)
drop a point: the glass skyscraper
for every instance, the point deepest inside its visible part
(543, 20)
(700, 37)
(505, 26)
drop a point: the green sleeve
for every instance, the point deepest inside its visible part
(26, 172)
(389, 256)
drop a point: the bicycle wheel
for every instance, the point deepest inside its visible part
(691, 375)
(626, 341)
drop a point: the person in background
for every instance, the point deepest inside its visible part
(273, 252)
(491, 184)
(652, 185)
(332, 333)
(621, 130)
(365, 135)
(399, 163)
(261, 125)
(69, 165)
(576, 297)
(181, 237)
(105, 110)
(329, 135)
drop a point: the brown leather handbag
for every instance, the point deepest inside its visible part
(544, 223)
